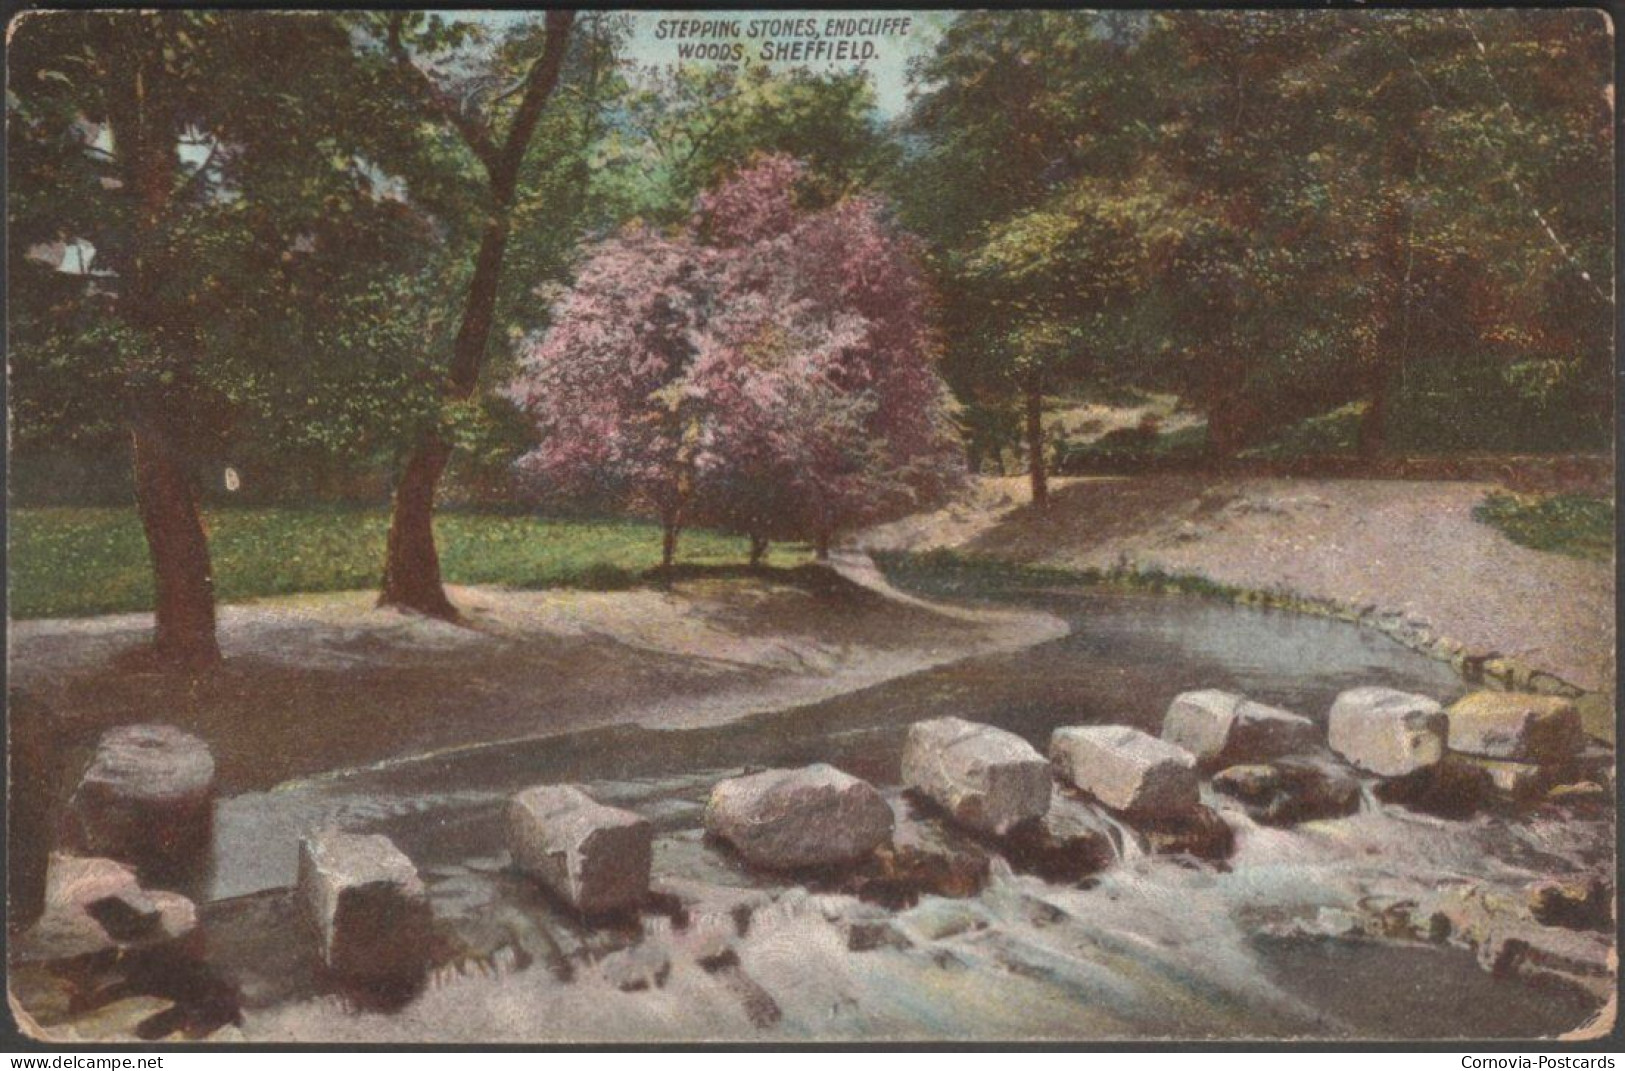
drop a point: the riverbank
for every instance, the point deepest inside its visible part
(324, 682)
(1405, 555)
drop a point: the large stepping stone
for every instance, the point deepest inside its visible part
(810, 817)
(987, 779)
(1125, 769)
(1224, 729)
(147, 798)
(594, 857)
(1517, 727)
(1387, 732)
(368, 905)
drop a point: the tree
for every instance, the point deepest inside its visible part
(184, 189)
(412, 565)
(768, 370)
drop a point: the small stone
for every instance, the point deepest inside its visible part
(1573, 903)
(1387, 732)
(636, 969)
(924, 856)
(936, 919)
(1516, 727)
(96, 905)
(1126, 769)
(814, 816)
(1291, 791)
(1516, 781)
(1197, 832)
(714, 951)
(1071, 841)
(368, 905)
(595, 858)
(147, 798)
(987, 779)
(1224, 729)
(872, 934)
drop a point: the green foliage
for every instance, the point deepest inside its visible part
(1581, 526)
(950, 574)
(69, 562)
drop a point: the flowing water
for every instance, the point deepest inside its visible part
(1150, 947)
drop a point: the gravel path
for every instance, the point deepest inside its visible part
(1409, 547)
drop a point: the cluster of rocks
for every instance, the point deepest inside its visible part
(1488, 746)
(969, 790)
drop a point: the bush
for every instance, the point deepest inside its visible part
(1581, 526)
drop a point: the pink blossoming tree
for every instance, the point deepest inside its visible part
(769, 371)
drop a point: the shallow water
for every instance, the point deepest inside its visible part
(1158, 931)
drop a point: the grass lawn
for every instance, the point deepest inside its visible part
(67, 562)
(1577, 525)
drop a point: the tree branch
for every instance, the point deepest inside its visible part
(544, 75)
(472, 129)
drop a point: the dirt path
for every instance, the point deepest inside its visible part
(324, 682)
(1412, 548)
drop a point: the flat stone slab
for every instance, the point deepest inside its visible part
(594, 857)
(147, 797)
(985, 778)
(368, 905)
(1125, 769)
(1387, 732)
(812, 816)
(1224, 729)
(1515, 726)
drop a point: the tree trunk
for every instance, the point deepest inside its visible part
(411, 565)
(411, 562)
(1035, 443)
(180, 550)
(821, 544)
(758, 550)
(669, 531)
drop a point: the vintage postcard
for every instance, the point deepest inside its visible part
(834, 526)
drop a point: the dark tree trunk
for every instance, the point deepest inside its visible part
(1035, 443)
(184, 580)
(412, 565)
(821, 544)
(670, 530)
(758, 549)
(411, 562)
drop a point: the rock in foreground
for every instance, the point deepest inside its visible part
(593, 857)
(814, 816)
(1518, 727)
(1125, 769)
(1223, 729)
(1387, 732)
(147, 797)
(987, 779)
(368, 904)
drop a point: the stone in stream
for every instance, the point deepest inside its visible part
(635, 969)
(1125, 769)
(811, 817)
(97, 905)
(1387, 732)
(593, 857)
(368, 905)
(1574, 903)
(987, 779)
(1224, 729)
(147, 798)
(1517, 727)
(1519, 782)
(1071, 841)
(1290, 790)
(1198, 832)
(924, 856)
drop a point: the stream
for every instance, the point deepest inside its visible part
(1150, 947)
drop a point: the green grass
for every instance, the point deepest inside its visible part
(948, 574)
(68, 562)
(1581, 526)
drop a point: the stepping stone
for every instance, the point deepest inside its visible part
(1518, 727)
(1224, 729)
(985, 778)
(368, 905)
(1125, 769)
(814, 816)
(593, 857)
(1387, 732)
(147, 798)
